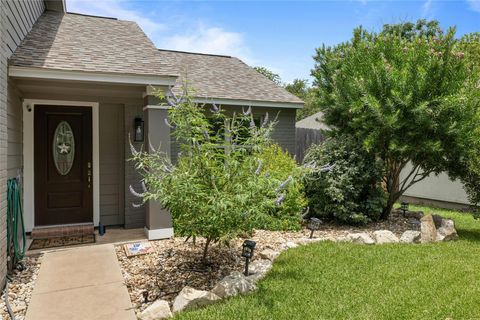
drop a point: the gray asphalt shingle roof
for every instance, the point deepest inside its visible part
(85, 43)
(224, 77)
(315, 121)
(77, 42)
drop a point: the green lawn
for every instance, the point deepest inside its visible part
(346, 281)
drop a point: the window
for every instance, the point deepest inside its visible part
(63, 148)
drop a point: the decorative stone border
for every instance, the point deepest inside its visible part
(236, 283)
(231, 285)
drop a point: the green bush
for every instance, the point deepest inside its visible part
(219, 187)
(350, 192)
(278, 165)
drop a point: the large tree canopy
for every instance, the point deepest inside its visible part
(470, 45)
(404, 93)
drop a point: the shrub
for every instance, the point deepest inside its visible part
(350, 192)
(279, 165)
(218, 189)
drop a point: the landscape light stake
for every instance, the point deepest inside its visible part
(414, 224)
(247, 252)
(145, 296)
(313, 225)
(404, 207)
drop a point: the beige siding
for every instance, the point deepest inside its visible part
(111, 164)
(20, 17)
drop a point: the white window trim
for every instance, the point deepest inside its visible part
(28, 157)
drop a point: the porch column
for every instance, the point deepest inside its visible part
(158, 219)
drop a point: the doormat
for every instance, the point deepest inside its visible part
(61, 241)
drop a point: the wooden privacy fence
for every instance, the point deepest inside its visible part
(304, 138)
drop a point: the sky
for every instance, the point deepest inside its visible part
(279, 35)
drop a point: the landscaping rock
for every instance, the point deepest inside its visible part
(360, 238)
(447, 231)
(269, 254)
(411, 236)
(234, 284)
(160, 309)
(258, 269)
(343, 239)
(428, 230)
(307, 241)
(437, 220)
(384, 236)
(291, 244)
(189, 299)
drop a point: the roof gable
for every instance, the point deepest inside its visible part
(84, 43)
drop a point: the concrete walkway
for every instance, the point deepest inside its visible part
(80, 283)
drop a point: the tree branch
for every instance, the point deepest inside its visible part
(413, 171)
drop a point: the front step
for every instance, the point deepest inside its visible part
(61, 231)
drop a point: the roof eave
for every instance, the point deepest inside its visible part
(87, 76)
(255, 103)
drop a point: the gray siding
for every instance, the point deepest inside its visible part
(16, 20)
(4, 54)
(284, 133)
(20, 17)
(14, 131)
(134, 217)
(111, 164)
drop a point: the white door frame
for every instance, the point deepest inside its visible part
(28, 157)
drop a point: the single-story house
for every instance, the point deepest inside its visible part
(73, 87)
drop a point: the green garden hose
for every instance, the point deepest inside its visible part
(15, 224)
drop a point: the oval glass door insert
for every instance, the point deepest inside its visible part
(63, 148)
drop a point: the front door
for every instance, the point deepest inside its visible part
(63, 165)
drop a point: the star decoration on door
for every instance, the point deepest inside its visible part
(63, 148)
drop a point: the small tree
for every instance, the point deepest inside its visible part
(403, 98)
(218, 188)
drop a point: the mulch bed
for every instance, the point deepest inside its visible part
(175, 263)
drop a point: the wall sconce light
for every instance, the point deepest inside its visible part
(139, 130)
